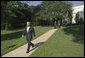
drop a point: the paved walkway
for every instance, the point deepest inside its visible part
(21, 51)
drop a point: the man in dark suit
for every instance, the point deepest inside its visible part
(29, 31)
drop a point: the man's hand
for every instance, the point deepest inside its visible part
(22, 35)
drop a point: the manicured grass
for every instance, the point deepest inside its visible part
(12, 39)
(65, 42)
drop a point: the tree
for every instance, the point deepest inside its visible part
(13, 12)
(3, 6)
(5, 11)
(55, 9)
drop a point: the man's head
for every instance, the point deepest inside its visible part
(28, 23)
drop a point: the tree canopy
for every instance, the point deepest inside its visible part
(55, 9)
(14, 14)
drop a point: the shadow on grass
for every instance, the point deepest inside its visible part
(10, 36)
(10, 46)
(37, 45)
(77, 32)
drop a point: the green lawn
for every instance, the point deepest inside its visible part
(65, 42)
(12, 39)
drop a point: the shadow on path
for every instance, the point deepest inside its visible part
(37, 45)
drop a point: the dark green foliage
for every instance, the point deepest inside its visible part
(54, 9)
(15, 14)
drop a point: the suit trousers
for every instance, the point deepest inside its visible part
(29, 42)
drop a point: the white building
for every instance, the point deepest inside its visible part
(78, 10)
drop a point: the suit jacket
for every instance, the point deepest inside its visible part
(29, 34)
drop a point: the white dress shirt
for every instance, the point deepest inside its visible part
(28, 27)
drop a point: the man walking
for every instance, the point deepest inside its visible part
(29, 31)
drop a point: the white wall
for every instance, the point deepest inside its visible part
(76, 10)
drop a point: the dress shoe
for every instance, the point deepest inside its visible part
(27, 52)
(32, 45)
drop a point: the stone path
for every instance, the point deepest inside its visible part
(21, 51)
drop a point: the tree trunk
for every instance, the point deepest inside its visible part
(6, 26)
(61, 22)
(2, 27)
(55, 24)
